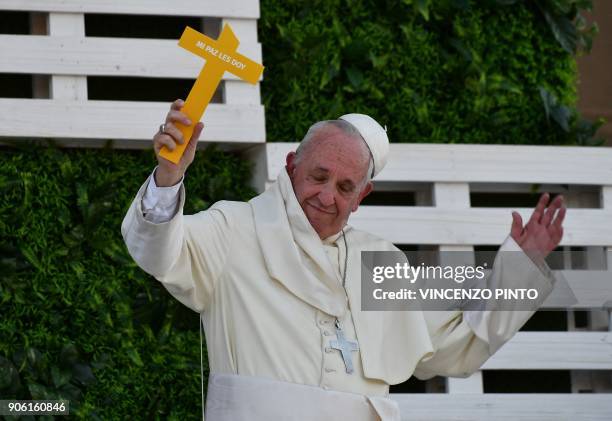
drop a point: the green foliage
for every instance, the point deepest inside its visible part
(567, 24)
(78, 319)
(452, 71)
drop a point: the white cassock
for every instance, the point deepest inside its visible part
(269, 290)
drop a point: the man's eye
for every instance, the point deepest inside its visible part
(319, 178)
(346, 189)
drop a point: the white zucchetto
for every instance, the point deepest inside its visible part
(375, 137)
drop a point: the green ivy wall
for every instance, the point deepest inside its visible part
(451, 72)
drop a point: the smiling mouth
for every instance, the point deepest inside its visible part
(319, 209)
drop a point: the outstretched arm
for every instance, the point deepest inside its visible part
(184, 252)
(463, 341)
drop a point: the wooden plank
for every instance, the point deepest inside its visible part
(97, 56)
(606, 196)
(554, 351)
(457, 196)
(474, 226)
(121, 120)
(226, 8)
(510, 407)
(451, 195)
(472, 384)
(41, 84)
(237, 92)
(70, 25)
(67, 24)
(483, 163)
(592, 288)
(245, 29)
(69, 87)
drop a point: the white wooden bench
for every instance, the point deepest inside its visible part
(442, 178)
(58, 47)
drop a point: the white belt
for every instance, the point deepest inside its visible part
(234, 397)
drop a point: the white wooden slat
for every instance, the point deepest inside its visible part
(606, 196)
(472, 384)
(69, 55)
(505, 407)
(67, 25)
(225, 8)
(245, 29)
(236, 92)
(483, 163)
(606, 203)
(457, 196)
(474, 226)
(451, 195)
(592, 288)
(121, 120)
(39, 25)
(554, 351)
(69, 87)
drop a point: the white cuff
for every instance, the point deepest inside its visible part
(159, 204)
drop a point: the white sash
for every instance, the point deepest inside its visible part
(233, 397)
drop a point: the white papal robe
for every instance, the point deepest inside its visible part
(268, 290)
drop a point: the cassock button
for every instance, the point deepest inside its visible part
(329, 370)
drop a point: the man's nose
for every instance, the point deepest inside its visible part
(326, 196)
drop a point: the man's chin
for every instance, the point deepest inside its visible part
(318, 225)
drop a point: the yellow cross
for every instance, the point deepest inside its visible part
(221, 56)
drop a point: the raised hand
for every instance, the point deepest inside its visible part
(544, 231)
(169, 173)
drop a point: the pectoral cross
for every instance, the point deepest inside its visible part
(345, 347)
(221, 56)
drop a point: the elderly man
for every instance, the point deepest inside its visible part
(277, 283)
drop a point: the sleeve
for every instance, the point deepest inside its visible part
(463, 341)
(512, 269)
(187, 254)
(458, 352)
(159, 204)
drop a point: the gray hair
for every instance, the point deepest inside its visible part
(346, 128)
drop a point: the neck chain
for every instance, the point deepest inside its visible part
(344, 275)
(345, 261)
(342, 344)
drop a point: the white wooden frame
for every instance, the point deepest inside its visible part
(58, 47)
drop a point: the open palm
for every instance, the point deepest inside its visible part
(544, 231)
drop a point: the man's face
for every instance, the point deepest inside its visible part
(328, 180)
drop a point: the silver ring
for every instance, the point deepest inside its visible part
(162, 128)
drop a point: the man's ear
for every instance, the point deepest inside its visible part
(290, 163)
(364, 192)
